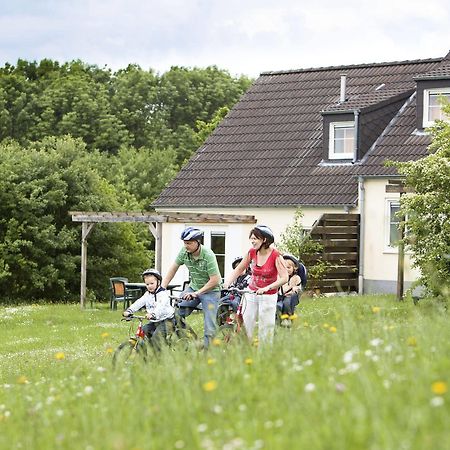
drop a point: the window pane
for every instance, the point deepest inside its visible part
(218, 243)
(435, 111)
(394, 234)
(221, 263)
(344, 140)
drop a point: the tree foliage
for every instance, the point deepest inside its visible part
(428, 211)
(77, 137)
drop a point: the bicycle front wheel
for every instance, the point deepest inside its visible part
(228, 334)
(129, 352)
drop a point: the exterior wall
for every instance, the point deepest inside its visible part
(380, 261)
(237, 242)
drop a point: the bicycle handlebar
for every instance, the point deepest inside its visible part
(239, 291)
(128, 318)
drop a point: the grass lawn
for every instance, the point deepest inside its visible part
(353, 373)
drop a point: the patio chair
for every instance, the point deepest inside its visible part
(120, 292)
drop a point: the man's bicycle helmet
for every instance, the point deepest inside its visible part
(266, 232)
(192, 234)
(153, 272)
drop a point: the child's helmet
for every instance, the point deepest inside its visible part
(191, 234)
(292, 258)
(266, 232)
(153, 272)
(236, 261)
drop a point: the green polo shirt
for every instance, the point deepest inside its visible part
(201, 268)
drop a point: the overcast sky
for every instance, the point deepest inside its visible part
(242, 36)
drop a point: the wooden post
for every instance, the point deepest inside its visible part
(85, 230)
(401, 259)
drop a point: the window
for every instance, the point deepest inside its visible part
(342, 140)
(218, 247)
(392, 231)
(432, 105)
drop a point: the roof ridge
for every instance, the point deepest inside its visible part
(353, 66)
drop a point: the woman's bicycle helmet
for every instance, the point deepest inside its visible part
(153, 272)
(191, 234)
(266, 232)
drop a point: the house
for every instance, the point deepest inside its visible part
(317, 139)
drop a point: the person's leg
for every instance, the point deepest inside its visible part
(159, 335)
(210, 303)
(266, 317)
(294, 303)
(249, 311)
(149, 328)
(185, 307)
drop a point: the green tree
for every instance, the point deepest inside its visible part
(428, 211)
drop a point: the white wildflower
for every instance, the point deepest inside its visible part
(310, 387)
(436, 401)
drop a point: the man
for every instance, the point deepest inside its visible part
(205, 278)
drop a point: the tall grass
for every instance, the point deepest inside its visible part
(353, 373)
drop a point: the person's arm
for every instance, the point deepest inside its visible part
(282, 278)
(169, 275)
(235, 273)
(295, 284)
(136, 306)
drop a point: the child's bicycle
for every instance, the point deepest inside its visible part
(231, 328)
(137, 347)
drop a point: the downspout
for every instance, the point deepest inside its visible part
(362, 219)
(355, 143)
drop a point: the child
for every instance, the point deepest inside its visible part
(232, 299)
(160, 312)
(289, 293)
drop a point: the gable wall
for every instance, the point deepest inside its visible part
(380, 262)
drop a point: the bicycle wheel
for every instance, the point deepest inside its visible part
(129, 352)
(182, 337)
(228, 334)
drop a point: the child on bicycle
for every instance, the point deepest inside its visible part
(232, 299)
(289, 293)
(156, 301)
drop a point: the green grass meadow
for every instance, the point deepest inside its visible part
(352, 373)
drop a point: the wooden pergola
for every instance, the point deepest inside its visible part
(154, 222)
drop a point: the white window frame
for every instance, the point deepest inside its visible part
(426, 104)
(331, 144)
(389, 248)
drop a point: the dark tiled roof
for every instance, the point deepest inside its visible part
(442, 72)
(268, 150)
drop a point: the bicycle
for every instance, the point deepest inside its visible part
(232, 322)
(179, 335)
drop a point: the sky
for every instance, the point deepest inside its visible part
(241, 36)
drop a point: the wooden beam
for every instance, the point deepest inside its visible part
(105, 217)
(397, 189)
(86, 229)
(209, 218)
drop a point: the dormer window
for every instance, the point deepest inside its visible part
(432, 105)
(341, 140)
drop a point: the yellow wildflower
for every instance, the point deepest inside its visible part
(325, 325)
(22, 380)
(109, 350)
(210, 386)
(216, 342)
(105, 335)
(333, 329)
(211, 361)
(60, 356)
(412, 342)
(439, 387)
(248, 361)
(376, 309)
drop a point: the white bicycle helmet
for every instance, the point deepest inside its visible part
(153, 272)
(192, 234)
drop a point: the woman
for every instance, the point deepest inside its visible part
(268, 273)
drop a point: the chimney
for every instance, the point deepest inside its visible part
(343, 86)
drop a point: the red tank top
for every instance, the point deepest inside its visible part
(263, 275)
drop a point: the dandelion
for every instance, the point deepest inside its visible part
(333, 329)
(109, 350)
(310, 387)
(326, 325)
(22, 380)
(211, 361)
(436, 401)
(439, 387)
(248, 361)
(60, 356)
(105, 335)
(411, 341)
(216, 342)
(376, 309)
(305, 324)
(210, 386)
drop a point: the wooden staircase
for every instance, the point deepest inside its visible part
(339, 236)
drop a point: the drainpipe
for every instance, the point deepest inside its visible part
(355, 143)
(361, 195)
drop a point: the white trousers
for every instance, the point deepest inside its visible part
(261, 308)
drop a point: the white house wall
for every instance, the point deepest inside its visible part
(237, 240)
(380, 261)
